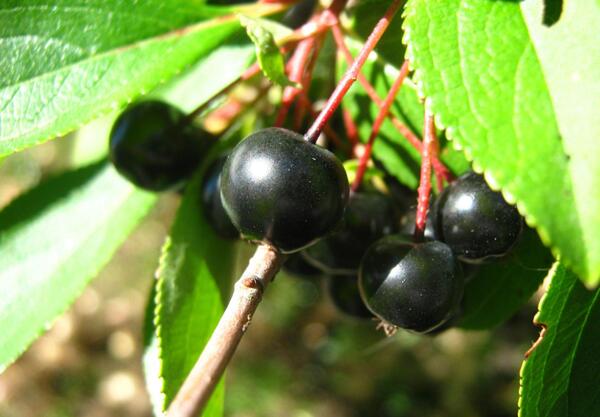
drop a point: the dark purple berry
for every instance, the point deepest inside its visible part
(415, 286)
(345, 296)
(368, 217)
(152, 148)
(280, 189)
(211, 202)
(297, 266)
(475, 221)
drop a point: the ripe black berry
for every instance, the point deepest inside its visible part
(368, 217)
(415, 286)
(297, 266)
(280, 189)
(476, 222)
(408, 223)
(345, 296)
(211, 202)
(151, 148)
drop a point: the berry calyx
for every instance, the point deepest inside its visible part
(282, 190)
(151, 147)
(211, 202)
(475, 221)
(415, 286)
(368, 217)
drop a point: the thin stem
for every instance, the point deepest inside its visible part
(351, 129)
(342, 88)
(383, 112)
(206, 373)
(331, 134)
(438, 166)
(296, 67)
(429, 140)
(246, 75)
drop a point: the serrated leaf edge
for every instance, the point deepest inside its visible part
(265, 9)
(549, 276)
(158, 307)
(467, 151)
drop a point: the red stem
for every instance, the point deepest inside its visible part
(351, 129)
(331, 134)
(342, 88)
(383, 112)
(429, 141)
(441, 171)
(297, 66)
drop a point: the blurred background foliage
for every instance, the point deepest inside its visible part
(301, 357)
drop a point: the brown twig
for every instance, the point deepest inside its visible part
(200, 383)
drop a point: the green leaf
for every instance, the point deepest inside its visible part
(269, 56)
(523, 111)
(65, 63)
(53, 240)
(193, 277)
(498, 290)
(560, 377)
(391, 148)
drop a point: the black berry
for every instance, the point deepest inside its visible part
(297, 266)
(415, 286)
(368, 217)
(280, 189)
(211, 202)
(345, 296)
(475, 221)
(408, 223)
(151, 148)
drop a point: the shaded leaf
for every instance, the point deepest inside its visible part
(560, 378)
(499, 289)
(53, 240)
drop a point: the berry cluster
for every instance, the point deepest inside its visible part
(276, 188)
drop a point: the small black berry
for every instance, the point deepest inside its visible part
(211, 202)
(149, 146)
(368, 217)
(408, 223)
(297, 266)
(475, 221)
(415, 286)
(280, 189)
(345, 296)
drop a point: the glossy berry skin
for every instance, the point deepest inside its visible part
(280, 189)
(297, 266)
(476, 222)
(415, 286)
(211, 202)
(408, 223)
(149, 146)
(345, 296)
(368, 217)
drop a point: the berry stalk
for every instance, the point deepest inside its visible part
(351, 74)
(208, 370)
(429, 140)
(383, 112)
(442, 173)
